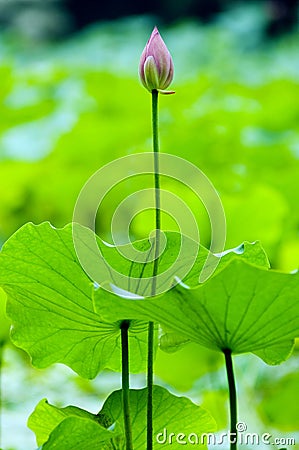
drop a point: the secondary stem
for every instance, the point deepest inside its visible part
(125, 383)
(150, 384)
(150, 358)
(232, 398)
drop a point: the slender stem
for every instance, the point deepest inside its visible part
(125, 383)
(157, 186)
(150, 357)
(150, 384)
(232, 398)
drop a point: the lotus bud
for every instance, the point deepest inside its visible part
(156, 66)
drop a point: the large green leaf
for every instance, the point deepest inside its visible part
(243, 308)
(251, 252)
(130, 267)
(49, 294)
(71, 427)
(50, 305)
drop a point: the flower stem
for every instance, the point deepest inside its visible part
(157, 186)
(125, 383)
(150, 356)
(232, 398)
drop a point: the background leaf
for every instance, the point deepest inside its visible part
(63, 427)
(77, 432)
(175, 414)
(47, 417)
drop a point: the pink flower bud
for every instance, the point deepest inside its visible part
(156, 66)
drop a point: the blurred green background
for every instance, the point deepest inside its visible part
(71, 101)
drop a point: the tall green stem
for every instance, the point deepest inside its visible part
(157, 186)
(125, 383)
(150, 359)
(232, 398)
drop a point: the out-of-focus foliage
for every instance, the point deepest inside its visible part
(194, 357)
(48, 19)
(274, 394)
(69, 108)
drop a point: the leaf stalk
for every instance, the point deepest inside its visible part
(232, 398)
(125, 383)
